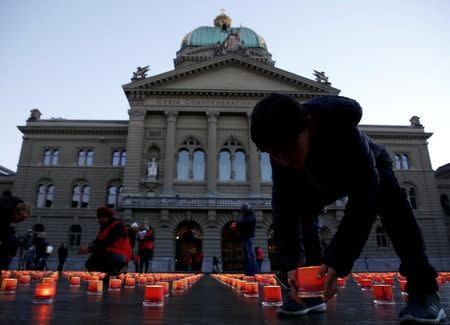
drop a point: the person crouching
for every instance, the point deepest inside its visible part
(111, 250)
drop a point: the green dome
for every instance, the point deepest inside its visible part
(204, 36)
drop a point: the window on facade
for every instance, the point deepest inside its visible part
(183, 165)
(405, 161)
(265, 167)
(445, 204)
(381, 237)
(119, 158)
(397, 162)
(85, 157)
(51, 157)
(198, 168)
(224, 165)
(411, 195)
(45, 195)
(74, 236)
(191, 162)
(113, 195)
(80, 196)
(232, 162)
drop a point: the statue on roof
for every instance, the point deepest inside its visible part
(233, 41)
(415, 121)
(141, 73)
(35, 115)
(321, 77)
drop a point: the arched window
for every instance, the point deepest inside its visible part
(55, 157)
(80, 196)
(239, 166)
(45, 196)
(445, 204)
(198, 169)
(116, 158)
(89, 158)
(74, 236)
(224, 165)
(85, 196)
(381, 237)
(405, 162)
(412, 198)
(81, 158)
(265, 167)
(47, 157)
(113, 195)
(183, 165)
(123, 158)
(397, 162)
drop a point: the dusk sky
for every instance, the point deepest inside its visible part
(70, 59)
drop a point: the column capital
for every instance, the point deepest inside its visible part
(171, 116)
(136, 115)
(212, 116)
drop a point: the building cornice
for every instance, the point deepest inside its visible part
(50, 129)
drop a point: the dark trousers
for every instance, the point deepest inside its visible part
(401, 226)
(61, 264)
(145, 256)
(298, 240)
(109, 263)
(249, 256)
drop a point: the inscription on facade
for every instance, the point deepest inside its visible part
(201, 102)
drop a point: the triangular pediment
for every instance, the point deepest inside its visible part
(231, 73)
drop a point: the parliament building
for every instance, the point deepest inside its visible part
(184, 162)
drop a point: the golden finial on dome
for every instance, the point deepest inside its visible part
(222, 21)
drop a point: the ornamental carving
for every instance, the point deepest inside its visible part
(171, 116)
(136, 115)
(212, 116)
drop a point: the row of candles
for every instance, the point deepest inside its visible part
(309, 285)
(157, 285)
(249, 286)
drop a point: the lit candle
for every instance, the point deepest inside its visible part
(308, 285)
(48, 280)
(365, 283)
(382, 294)
(165, 286)
(251, 290)
(388, 280)
(95, 287)
(24, 279)
(44, 293)
(115, 284)
(153, 295)
(9, 286)
(130, 282)
(272, 296)
(75, 281)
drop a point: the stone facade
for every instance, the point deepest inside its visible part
(443, 183)
(200, 108)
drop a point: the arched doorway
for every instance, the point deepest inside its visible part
(273, 251)
(188, 240)
(231, 249)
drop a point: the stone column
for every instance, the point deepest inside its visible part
(211, 174)
(169, 152)
(135, 140)
(255, 173)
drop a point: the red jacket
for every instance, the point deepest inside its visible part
(147, 242)
(259, 254)
(118, 245)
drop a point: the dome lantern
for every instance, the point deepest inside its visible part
(222, 21)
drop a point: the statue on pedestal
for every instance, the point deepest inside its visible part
(152, 169)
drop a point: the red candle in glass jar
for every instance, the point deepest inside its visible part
(251, 289)
(44, 293)
(9, 285)
(130, 282)
(365, 283)
(74, 281)
(153, 295)
(388, 280)
(24, 279)
(115, 284)
(48, 280)
(308, 285)
(272, 296)
(341, 282)
(95, 287)
(383, 294)
(165, 286)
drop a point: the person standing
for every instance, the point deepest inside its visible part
(216, 263)
(132, 236)
(188, 261)
(63, 252)
(146, 244)
(12, 210)
(24, 245)
(246, 226)
(259, 258)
